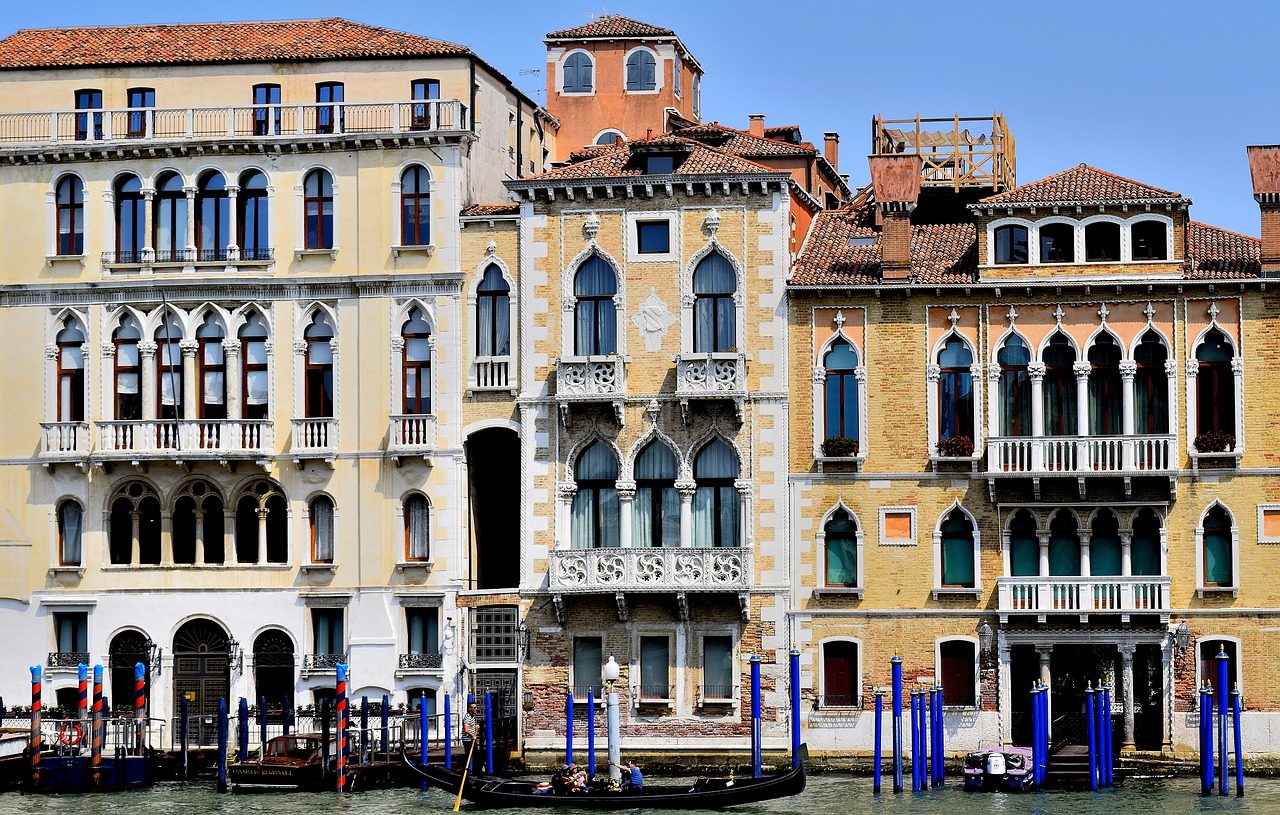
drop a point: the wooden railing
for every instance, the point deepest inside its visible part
(952, 154)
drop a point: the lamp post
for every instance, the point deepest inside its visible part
(985, 636)
(611, 672)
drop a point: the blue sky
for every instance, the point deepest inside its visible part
(1167, 93)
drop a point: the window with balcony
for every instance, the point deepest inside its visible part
(1151, 386)
(168, 339)
(211, 370)
(140, 119)
(69, 204)
(70, 373)
(1057, 243)
(841, 550)
(493, 314)
(71, 632)
(327, 633)
(840, 391)
(595, 517)
(266, 114)
(422, 625)
(262, 524)
(198, 523)
(254, 365)
(595, 328)
(417, 528)
(718, 669)
(422, 90)
(131, 219)
(1059, 387)
(88, 125)
(317, 199)
(655, 519)
(318, 383)
(655, 668)
(579, 73)
(1015, 387)
(1102, 242)
(716, 501)
(715, 314)
(70, 534)
(213, 217)
(320, 519)
(415, 363)
(958, 568)
(134, 525)
(588, 666)
(642, 71)
(1215, 387)
(169, 219)
(1011, 244)
(955, 390)
(1144, 550)
(329, 116)
(1104, 546)
(958, 664)
(1216, 548)
(1150, 240)
(128, 370)
(1105, 388)
(1064, 545)
(1024, 546)
(841, 679)
(254, 227)
(415, 206)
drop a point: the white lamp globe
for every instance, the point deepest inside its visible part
(611, 670)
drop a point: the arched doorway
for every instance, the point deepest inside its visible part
(273, 667)
(201, 675)
(493, 473)
(127, 649)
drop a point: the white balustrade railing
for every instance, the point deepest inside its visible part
(64, 439)
(1083, 595)
(315, 435)
(412, 433)
(492, 373)
(710, 374)
(651, 569)
(1082, 454)
(586, 377)
(211, 437)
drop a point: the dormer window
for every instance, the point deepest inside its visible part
(1057, 243)
(659, 165)
(1102, 242)
(1149, 241)
(1011, 244)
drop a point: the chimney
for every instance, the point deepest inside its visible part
(1264, 166)
(831, 148)
(896, 182)
(757, 125)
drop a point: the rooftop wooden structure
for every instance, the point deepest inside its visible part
(961, 152)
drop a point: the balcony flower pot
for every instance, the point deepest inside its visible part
(956, 447)
(1215, 442)
(834, 446)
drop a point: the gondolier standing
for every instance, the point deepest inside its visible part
(469, 731)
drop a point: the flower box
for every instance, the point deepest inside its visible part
(956, 447)
(839, 446)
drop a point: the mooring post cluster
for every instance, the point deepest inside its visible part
(1214, 694)
(928, 725)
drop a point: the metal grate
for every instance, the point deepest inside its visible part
(494, 633)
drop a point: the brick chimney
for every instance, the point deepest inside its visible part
(831, 148)
(896, 182)
(1264, 166)
(756, 128)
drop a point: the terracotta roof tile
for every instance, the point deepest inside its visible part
(613, 25)
(741, 143)
(786, 133)
(272, 41)
(491, 210)
(940, 253)
(1083, 185)
(1216, 254)
(693, 158)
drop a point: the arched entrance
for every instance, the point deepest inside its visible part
(493, 473)
(201, 675)
(273, 667)
(127, 649)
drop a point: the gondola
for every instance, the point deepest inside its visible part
(703, 793)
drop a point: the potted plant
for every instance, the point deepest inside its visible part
(956, 447)
(1215, 442)
(839, 446)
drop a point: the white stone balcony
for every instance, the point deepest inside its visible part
(411, 435)
(1082, 596)
(217, 439)
(1082, 456)
(492, 374)
(721, 375)
(64, 441)
(591, 379)
(264, 122)
(314, 438)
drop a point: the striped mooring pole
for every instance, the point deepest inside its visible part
(98, 724)
(140, 702)
(342, 728)
(35, 726)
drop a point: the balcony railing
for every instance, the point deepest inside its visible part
(714, 375)
(64, 440)
(231, 122)
(717, 694)
(144, 257)
(315, 436)
(1082, 455)
(1043, 596)
(412, 434)
(322, 663)
(651, 569)
(654, 694)
(493, 373)
(67, 659)
(587, 378)
(211, 438)
(421, 662)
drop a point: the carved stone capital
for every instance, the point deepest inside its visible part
(299, 347)
(819, 374)
(591, 228)
(189, 347)
(993, 371)
(743, 486)
(933, 373)
(1193, 367)
(1081, 369)
(567, 489)
(51, 351)
(147, 348)
(232, 347)
(1237, 365)
(860, 373)
(397, 345)
(626, 490)
(108, 350)
(1128, 369)
(686, 488)
(1036, 370)
(1170, 367)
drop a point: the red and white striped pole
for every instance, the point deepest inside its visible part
(140, 702)
(82, 674)
(35, 727)
(342, 728)
(98, 726)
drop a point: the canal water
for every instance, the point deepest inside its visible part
(827, 794)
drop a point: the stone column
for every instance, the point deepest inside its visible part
(743, 486)
(190, 395)
(1081, 370)
(231, 359)
(1128, 372)
(166, 538)
(686, 490)
(1085, 537)
(233, 222)
(199, 517)
(262, 534)
(148, 218)
(135, 555)
(147, 364)
(228, 541)
(1237, 371)
(1126, 682)
(1126, 552)
(626, 507)
(190, 192)
(1043, 537)
(1035, 371)
(1046, 678)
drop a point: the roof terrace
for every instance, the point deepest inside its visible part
(957, 152)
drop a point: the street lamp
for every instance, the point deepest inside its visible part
(985, 636)
(611, 672)
(1182, 637)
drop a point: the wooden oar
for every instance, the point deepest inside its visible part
(465, 769)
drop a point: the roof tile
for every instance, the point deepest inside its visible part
(940, 253)
(698, 159)
(1083, 185)
(741, 143)
(1216, 254)
(612, 25)
(491, 210)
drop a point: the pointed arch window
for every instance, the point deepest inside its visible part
(320, 518)
(1216, 548)
(169, 226)
(595, 516)
(1064, 546)
(1215, 386)
(254, 365)
(595, 314)
(417, 528)
(211, 376)
(578, 73)
(841, 391)
(254, 228)
(1059, 387)
(955, 390)
(1144, 551)
(1024, 546)
(715, 315)
(131, 220)
(168, 340)
(642, 71)
(958, 569)
(70, 385)
(1015, 387)
(128, 401)
(841, 550)
(319, 369)
(70, 533)
(1151, 386)
(213, 217)
(69, 198)
(416, 363)
(415, 206)
(317, 200)
(1104, 546)
(1105, 388)
(716, 502)
(655, 519)
(493, 314)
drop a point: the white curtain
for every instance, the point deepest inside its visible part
(72, 523)
(322, 530)
(418, 517)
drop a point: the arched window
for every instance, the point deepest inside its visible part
(213, 217)
(1015, 387)
(1011, 244)
(1064, 545)
(958, 568)
(958, 671)
(1059, 387)
(715, 316)
(642, 71)
(69, 197)
(273, 667)
(609, 137)
(317, 198)
(169, 225)
(578, 73)
(319, 370)
(1102, 242)
(168, 339)
(417, 528)
(1216, 551)
(254, 364)
(1215, 387)
(131, 219)
(594, 315)
(262, 525)
(841, 392)
(955, 391)
(1144, 550)
(415, 363)
(841, 550)
(1151, 386)
(1105, 389)
(70, 533)
(1057, 243)
(134, 525)
(655, 519)
(415, 206)
(1150, 240)
(1024, 546)
(595, 513)
(254, 217)
(716, 501)
(198, 524)
(320, 517)
(493, 314)
(1104, 546)
(71, 341)
(127, 369)
(211, 377)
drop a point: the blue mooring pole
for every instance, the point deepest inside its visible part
(895, 666)
(364, 730)
(1223, 702)
(423, 722)
(794, 656)
(448, 733)
(222, 745)
(386, 726)
(488, 732)
(568, 728)
(184, 732)
(286, 723)
(1092, 726)
(1100, 725)
(262, 722)
(1206, 715)
(755, 716)
(915, 742)
(1235, 715)
(591, 733)
(879, 747)
(937, 735)
(1111, 735)
(1035, 732)
(242, 734)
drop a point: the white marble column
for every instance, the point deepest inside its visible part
(1126, 552)
(166, 538)
(1126, 682)
(1046, 679)
(686, 490)
(626, 508)
(147, 363)
(1043, 537)
(262, 534)
(231, 361)
(199, 518)
(233, 222)
(148, 219)
(190, 395)
(1035, 372)
(1085, 537)
(190, 192)
(1081, 370)
(135, 519)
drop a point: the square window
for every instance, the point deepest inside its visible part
(588, 667)
(1269, 523)
(71, 629)
(897, 526)
(327, 629)
(718, 668)
(655, 669)
(653, 237)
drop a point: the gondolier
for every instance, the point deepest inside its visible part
(469, 731)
